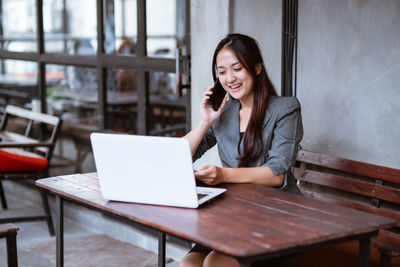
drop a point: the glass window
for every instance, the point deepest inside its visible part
(120, 27)
(122, 100)
(18, 82)
(70, 26)
(161, 28)
(72, 94)
(168, 110)
(18, 25)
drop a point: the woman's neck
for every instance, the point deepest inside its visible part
(247, 102)
(244, 115)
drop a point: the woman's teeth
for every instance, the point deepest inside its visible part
(235, 86)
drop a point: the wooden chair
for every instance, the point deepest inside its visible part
(27, 142)
(360, 185)
(9, 231)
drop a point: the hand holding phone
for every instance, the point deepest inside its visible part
(217, 96)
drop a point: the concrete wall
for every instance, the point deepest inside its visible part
(348, 69)
(262, 20)
(349, 78)
(209, 24)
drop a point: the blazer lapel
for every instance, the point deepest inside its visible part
(267, 117)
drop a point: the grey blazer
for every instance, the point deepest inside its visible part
(282, 133)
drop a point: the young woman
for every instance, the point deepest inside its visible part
(257, 132)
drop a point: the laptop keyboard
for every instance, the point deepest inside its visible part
(201, 195)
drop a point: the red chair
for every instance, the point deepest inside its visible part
(27, 142)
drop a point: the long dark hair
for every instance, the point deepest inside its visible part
(249, 55)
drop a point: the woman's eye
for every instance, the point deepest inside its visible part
(238, 69)
(221, 73)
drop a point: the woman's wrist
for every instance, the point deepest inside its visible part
(222, 174)
(205, 123)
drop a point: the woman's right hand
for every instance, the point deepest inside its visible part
(208, 115)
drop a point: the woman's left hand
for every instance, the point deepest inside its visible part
(211, 175)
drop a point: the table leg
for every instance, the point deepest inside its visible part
(364, 252)
(385, 260)
(47, 211)
(245, 264)
(12, 250)
(161, 249)
(59, 232)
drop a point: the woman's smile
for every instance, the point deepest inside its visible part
(235, 87)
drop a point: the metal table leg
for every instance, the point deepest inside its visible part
(386, 260)
(12, 250)
(364, 252)
(47, 211)
(161, 249)
(59, 232)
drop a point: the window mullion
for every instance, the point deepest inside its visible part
(41, 79)
(101, 71)
(142, 91)
(141, 31)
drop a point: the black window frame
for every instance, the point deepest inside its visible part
(141, 62)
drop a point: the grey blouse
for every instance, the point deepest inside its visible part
(282, 133)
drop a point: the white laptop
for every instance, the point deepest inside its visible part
(148, 169)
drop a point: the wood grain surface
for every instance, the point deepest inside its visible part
(247, 220)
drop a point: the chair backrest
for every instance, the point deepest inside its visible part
(38, 127)
(356, 184)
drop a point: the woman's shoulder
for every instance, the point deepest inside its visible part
(228, 114)
(231, 105)
(282, 104)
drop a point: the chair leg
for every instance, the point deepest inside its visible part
(3, 197)
(47, 211)
(12, 250)
(385, 260)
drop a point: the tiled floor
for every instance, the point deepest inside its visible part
(32, 233)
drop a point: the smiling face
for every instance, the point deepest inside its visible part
(235, 79)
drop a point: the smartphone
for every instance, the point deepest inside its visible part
(217, 96)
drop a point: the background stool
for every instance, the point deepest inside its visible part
(9, 231)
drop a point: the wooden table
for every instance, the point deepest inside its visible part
(249, 222)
